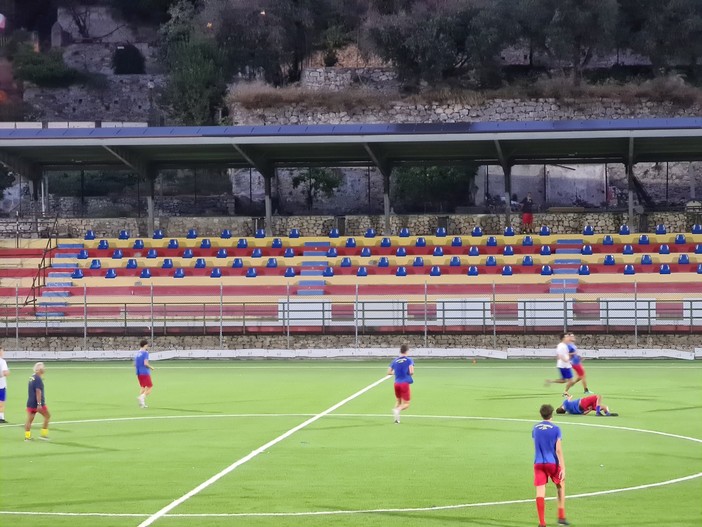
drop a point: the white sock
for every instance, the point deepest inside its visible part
(396, 413)
(2, 415)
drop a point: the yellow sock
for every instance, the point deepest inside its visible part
(28, 435)
(44, 432)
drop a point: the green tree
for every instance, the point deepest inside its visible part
(317, 183)
(43, 69)
(433, 188)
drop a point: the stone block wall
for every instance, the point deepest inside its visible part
(340, 79)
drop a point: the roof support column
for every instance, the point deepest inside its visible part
(507, 170)
(630, 182)
(267, 170)
(268, 200)
(386, 204)
(385, 166)
(151, 182)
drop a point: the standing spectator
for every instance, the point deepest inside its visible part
(528, 214)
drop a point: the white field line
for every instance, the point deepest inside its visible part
(348, 365)
(202, 486)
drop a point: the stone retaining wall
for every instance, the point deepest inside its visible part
(340, 79)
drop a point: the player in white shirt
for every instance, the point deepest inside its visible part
(563, 364)
(4, 372)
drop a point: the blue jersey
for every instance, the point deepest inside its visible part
(401, 368)
(35, 383)
(545, 435)
(573, 352)
(572, 407)
(141, 357)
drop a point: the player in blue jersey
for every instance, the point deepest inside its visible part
(36, 403)
(403, 369)
(143, 372)
(576, 363)
(585, 406)
(548, 463)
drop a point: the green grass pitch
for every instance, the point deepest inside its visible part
(109, 457)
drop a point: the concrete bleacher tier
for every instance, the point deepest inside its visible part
(124, 270)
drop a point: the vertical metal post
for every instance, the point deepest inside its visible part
(165, 317)
(494, 316)
(152, 313)
(85, 316)
(221, 315)
(355, 317)
(204, 318)
(17, 319)
(124, 312)
(565, 310)
(426, 310)
(287, 312)
(636, 316)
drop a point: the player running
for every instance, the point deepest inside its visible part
(548, 463)
(403, 368)
(143, 372)
(585, 406)
(36, 403)
(576, 363)
(563, 364)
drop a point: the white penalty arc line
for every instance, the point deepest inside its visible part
(202, 486)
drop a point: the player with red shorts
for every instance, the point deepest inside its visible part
(549, 463)
(585, 406)
(576, 362)
(143, 372)
(403, 369)
(36, 403)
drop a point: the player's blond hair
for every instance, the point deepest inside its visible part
(39, 366)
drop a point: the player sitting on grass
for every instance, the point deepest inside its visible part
(585, 406)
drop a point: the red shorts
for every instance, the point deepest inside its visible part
(588, 403)
(579, 369)
(402, 391)
(543, 471)
(527, 218)
(42, 410)
(145, 381)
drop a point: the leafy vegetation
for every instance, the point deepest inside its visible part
(432, 188)
(43, 69)
(317, 183)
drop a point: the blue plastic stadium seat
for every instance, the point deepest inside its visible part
(366, 252)
(242, 243)
(586, 250)
(222, 253)
(627, 249)
(251, 272)
(441, 232)
(82, 254)
(546, 270)
(260, 233)
(491, 242)
(643, 239)
(123, 235)
(506, 270)
(188, 253)
(117, 254)
(384, 262)
(290, 272)
(698, 249)
(528, 260)
(646, 259)
(277, 243)
(152, 253)
(346, 261)
(401, 271)
(289, 253)
(697, 228)
(362, 271)
(699, 268)
(418, 262)
(401, 251)
(477, 231)
(370, 233)
(350, 243)
(545, 230)
(404, 232)
(216, 273)
(238, 263)
(545, 250)
(179, 273)
(473, 251)
(664, 249)
(438, 251)
(192, 234)
(386, 242)
(138, 244)
(584, 270)
(455, 261)
(457, 242)
(103, 244)
(205, 243)
(527, 241)
(660, 229)
(435, 271)
(665, 269)
(421, 242)
(95, 264)
(608, 240)
(145, 273)
(256, 253)
(158, 235)
(509, 231)
(328, 272)
(629, 269)
(624, 230)
(332, 252)
(167, 264)
(680, 239)
(294, 233)
(609, 260)
(491, 261)
(683, 259)
(131, 263)
(589, 230)
(226, 234)
(173, 244)
(272, 263)
(77, 274)
(90, 235)
(200, 263)
(508, 250)
(472, 271)
(111, 273)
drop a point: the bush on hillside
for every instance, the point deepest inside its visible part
(43, 69)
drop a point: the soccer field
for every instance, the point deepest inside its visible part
(462, 455)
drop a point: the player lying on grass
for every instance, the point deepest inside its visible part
(584, 406)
